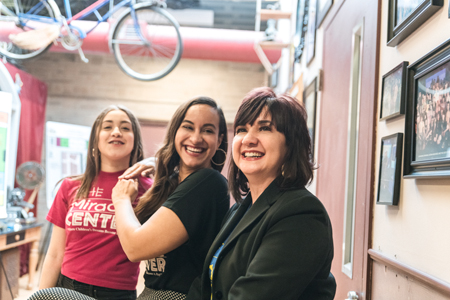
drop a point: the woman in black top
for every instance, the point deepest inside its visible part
(276, 242)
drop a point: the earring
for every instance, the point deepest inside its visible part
(221, 164)
(93, 152)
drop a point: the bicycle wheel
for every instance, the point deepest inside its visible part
(17, 16)
(149, 49)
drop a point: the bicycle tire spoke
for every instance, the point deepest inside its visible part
(148, 49)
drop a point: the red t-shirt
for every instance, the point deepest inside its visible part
(93, 254)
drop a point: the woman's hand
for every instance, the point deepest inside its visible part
(144, 168)
(125, 189)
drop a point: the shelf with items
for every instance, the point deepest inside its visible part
(269, 43)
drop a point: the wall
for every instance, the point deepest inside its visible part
(416, 231)
(77, 92)
(81, 90)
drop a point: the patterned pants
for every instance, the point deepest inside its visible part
(57, 293)
(150, 294)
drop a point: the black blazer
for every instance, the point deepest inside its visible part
(281, 249)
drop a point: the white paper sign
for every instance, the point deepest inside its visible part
(66, 154)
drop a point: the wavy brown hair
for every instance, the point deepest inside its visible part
(93, 164)
(289, 118)
(166, 176)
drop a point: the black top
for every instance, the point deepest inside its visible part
(201, 202)
(281, 248)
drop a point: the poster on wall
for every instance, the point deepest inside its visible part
(427, 130)
(5, 123)
(66, 153)
(433, 115)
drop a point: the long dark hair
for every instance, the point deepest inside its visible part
(289, 118)
(168, 160)
(93, 164)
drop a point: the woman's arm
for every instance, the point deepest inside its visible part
(53, 259)
(144, 168)
(160, 234)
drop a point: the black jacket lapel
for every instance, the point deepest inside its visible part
(261, 205)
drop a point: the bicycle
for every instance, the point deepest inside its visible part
(145, 38)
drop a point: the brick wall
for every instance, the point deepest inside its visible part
(78, 91)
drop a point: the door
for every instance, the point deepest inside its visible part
(346, 137)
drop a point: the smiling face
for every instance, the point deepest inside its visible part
(259, 149)
(115, 141)
(197, 139)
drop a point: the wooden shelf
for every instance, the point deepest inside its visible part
(267, 14)
(273, 45)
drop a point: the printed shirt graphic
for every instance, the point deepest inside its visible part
(93, 253)
(156, 266)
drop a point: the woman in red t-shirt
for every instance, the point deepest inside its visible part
(85, 254)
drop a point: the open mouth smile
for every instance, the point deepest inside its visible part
(194, 150)
(252, 154)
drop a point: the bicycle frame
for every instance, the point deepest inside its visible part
(140, 28)
(91, 9)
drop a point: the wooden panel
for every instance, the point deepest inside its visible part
(31, 235)
(267, 14)
(273, 45)
(11, 262)
(388, 283)
(411, 273)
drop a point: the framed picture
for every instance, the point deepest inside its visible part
(405, 16)
(427, 120)
(311, 35)
(393, 92)
(323, 6)
(310, 102)
(301, 28)
(390, 166)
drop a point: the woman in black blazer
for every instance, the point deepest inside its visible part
(276, 242)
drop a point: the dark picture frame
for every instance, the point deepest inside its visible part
(301, 28)
(310, 104)
(323, 7)
(311, 34)
(427, 118)
(393, 92)
(390, 169)
(403, 20)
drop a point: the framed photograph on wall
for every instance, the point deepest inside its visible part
(405, 16)
(311, 35)
(323, 7)
(393, 91)
(390, 169)
(310, 103)
(301, 28)
(427, 120)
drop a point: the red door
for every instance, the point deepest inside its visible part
(346, 137)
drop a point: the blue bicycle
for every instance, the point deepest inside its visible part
(144, 37)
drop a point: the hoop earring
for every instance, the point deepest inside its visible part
(221, 164)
